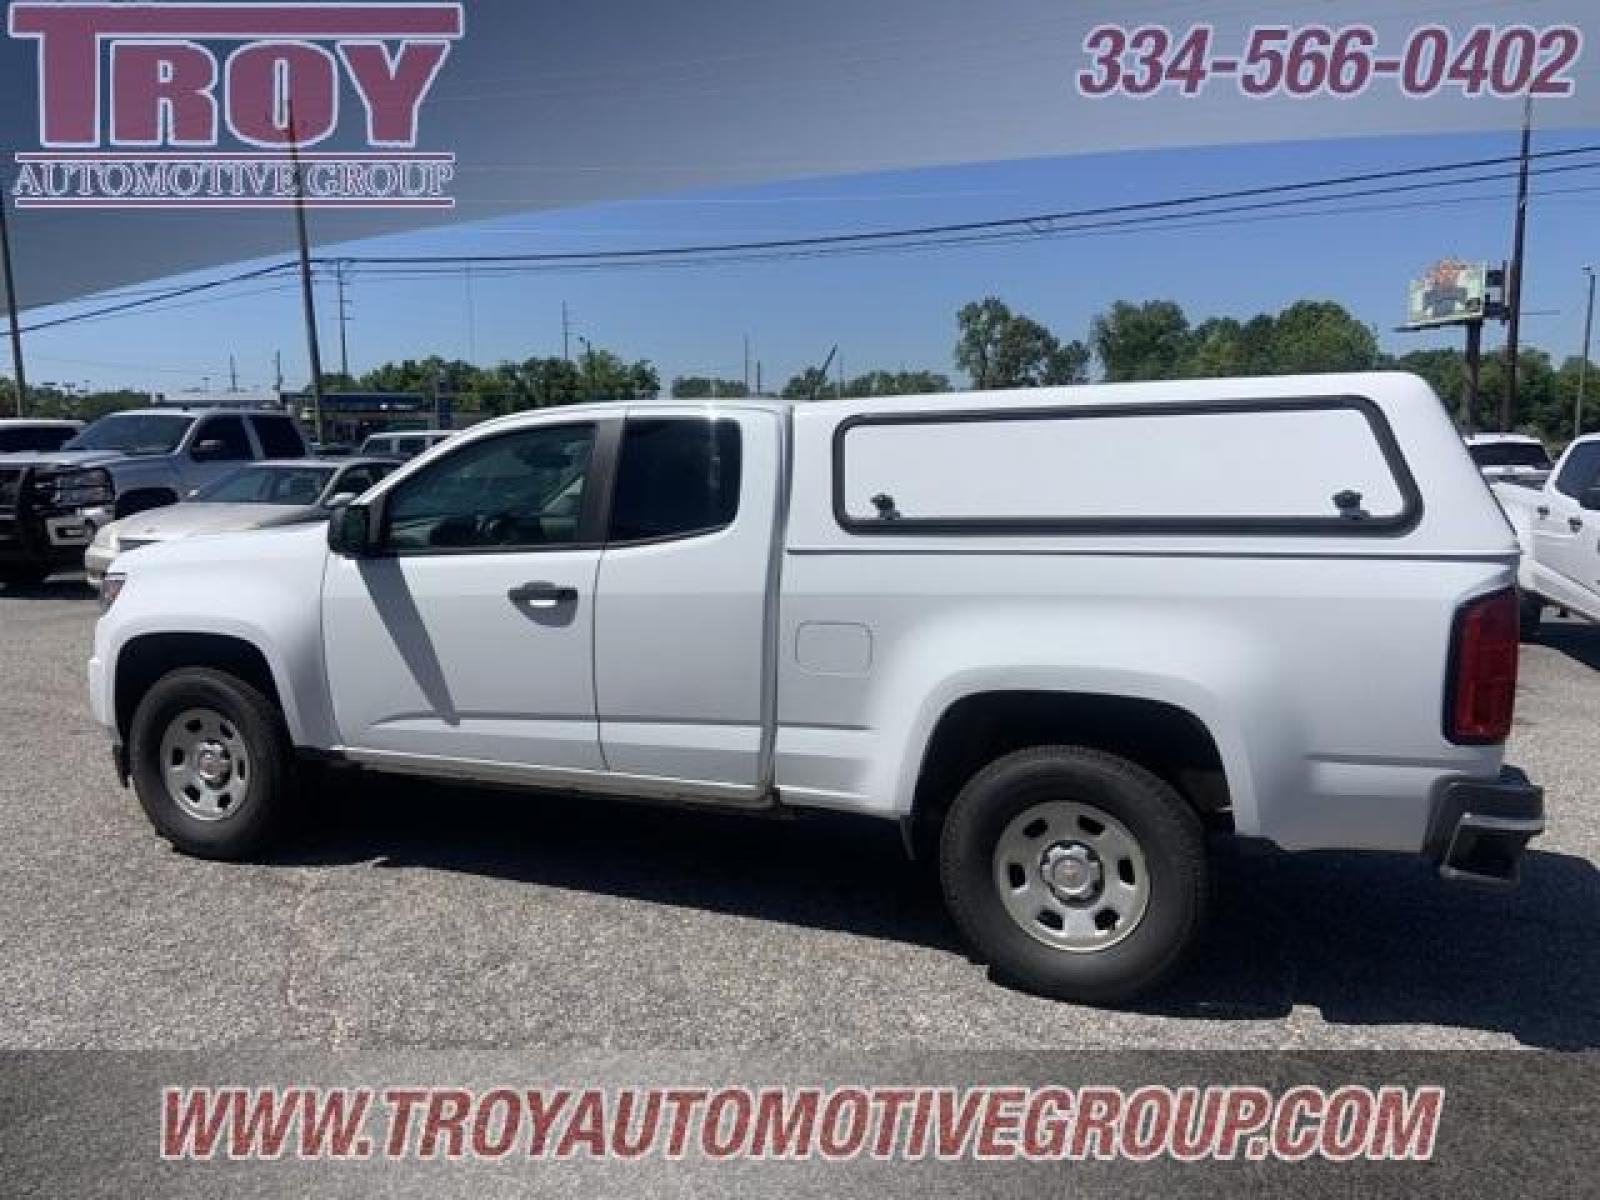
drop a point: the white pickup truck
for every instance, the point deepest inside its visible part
(1059, 635)
(1559, 529)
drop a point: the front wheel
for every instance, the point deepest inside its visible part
(1076, 874)
(211, 764)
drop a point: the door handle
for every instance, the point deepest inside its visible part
(1543, 510)
(542, 595)
(1574, 524)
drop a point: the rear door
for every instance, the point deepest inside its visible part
(684, 587)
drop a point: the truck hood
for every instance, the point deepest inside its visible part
(64, 458)
(193, 518)
(237, 557)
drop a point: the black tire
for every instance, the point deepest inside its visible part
(248, 827)
(1530, 611)
(1165, 829)
(24, 576)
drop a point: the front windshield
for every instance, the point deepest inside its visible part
(269, 485)
(134, 433)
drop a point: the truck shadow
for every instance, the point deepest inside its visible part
(1374, 940)
(60, 587)
(1579, 641)
(1365, 939)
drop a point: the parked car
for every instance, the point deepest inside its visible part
(1558, 527)
(1033, 627)
(405, 443)
(52, 503)
(260, 496)
(28, 433)
(1510, 458)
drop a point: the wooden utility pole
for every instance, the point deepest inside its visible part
(1469, 402)
(11, 308)
(307, 293)
(1508, 405)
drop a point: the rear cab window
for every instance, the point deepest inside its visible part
(677, 477)
(1293, 466)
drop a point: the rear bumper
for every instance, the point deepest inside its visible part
(1480, 827)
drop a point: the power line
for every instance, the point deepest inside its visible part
(173, 294)
(1123, 217)
(429, 267)
(979, 226)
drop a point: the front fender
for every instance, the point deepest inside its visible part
(263, 588)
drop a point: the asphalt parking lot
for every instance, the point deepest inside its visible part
(411, 914)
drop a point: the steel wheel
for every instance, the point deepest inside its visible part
(1071, 876)
(205, 764)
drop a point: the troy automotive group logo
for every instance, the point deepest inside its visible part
(226, 105)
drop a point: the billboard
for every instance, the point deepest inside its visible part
(1451, 292)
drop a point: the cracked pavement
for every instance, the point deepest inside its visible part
(409, 914)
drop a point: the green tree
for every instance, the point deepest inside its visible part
(810, 383)
(1001, 349)
(1319, 335)
(701, 387)
(1142, 341)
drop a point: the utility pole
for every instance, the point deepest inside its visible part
(233, 374)
(841, 376)
(307, 294)
(747, 364)
(1508, 405)
(277, 372)
(566, 334)
(1474, 359)
(758, 377)
(1583, 366)
(11, 307)
(344, 316)
(588, 367)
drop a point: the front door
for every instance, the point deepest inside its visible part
(1567, 536)
(471, 634)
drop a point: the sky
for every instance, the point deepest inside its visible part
(888, 311)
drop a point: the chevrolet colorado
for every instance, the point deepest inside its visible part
(1061, 636)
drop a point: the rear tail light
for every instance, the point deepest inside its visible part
(1482, 689)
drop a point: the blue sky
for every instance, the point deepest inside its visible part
(891, 310)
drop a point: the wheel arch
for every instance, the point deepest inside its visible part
(1164, 735)
(147, 657)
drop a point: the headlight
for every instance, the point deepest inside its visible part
(79, 489)
(110, 589)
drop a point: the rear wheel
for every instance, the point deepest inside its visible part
(211, 764)
(1075, 873)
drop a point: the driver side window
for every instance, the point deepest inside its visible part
(518, 491)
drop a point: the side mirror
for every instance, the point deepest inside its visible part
(350, 531)
(191, 493)
(210, 450)
(342, 500)
(1590, 498)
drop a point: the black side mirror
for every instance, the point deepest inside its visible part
(1590, 498)
(210, 450)
(350, 533)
